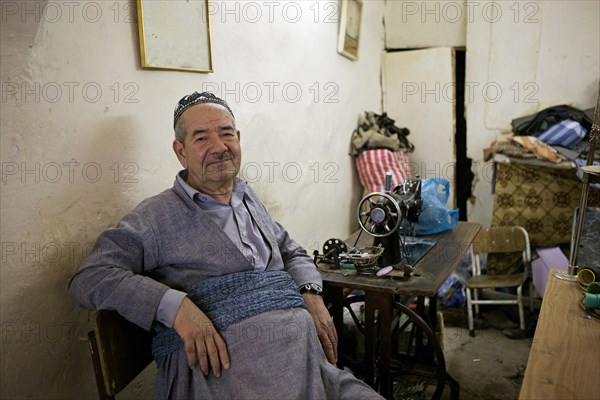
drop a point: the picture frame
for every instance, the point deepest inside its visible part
(175, 35)
(349, 28)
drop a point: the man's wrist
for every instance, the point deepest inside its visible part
(169, 306)
(311, 288)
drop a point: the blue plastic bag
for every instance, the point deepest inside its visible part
(435, 216)
(452, 292)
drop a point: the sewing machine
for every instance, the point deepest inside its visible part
(382, 215)
(390, 217)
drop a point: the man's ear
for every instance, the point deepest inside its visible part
(179, 150)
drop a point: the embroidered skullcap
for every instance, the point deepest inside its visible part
(197, 98)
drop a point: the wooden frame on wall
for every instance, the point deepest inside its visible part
(349, 28)
(175, 35)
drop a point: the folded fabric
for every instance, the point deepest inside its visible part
(231, 298)
(544, 119)
(566, 133)
(539, 148)
(379, 132)
(512, 149)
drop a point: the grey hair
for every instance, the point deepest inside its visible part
(180, 131)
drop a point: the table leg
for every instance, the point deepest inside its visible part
(334, 300)
(370, 345)
(379, 309)
(379, 339)
(429, 352)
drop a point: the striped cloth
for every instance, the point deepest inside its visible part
(566, 133)
(372, 166)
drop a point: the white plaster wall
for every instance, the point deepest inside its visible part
(415, 24)
(75, 160)
(521, 55)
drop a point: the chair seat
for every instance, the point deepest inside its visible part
(495, 281)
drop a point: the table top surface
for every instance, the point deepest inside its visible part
(430, 272)
(565, 354)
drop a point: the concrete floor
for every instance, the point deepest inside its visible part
(488, 366)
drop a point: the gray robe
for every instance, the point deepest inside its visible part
(168, 242)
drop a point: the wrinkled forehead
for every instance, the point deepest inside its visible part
(208, 113)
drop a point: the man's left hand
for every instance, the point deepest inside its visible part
(324, 325)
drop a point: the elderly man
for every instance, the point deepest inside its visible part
(222, 284)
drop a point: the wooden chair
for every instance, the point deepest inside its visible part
(498, 240)
(120, 351)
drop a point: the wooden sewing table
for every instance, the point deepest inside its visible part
(564, 359)
(386, 297)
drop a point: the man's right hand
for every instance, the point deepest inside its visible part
(203, 344)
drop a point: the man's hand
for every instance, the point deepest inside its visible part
(324, 325)
(202, 342)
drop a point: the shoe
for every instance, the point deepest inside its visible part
(517, 333)
(514, 333)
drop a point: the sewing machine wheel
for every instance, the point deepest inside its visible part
(379, 214)
(333, 248)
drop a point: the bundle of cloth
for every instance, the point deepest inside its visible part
(555, 134)
(379, 147)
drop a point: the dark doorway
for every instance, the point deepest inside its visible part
(464, 174)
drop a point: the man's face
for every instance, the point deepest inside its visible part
(211, 151)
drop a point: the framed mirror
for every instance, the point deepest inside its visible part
(175, 35)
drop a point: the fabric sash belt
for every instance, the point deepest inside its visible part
(232, 298)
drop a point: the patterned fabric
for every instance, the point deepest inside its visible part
(539, 148)
(540, 199)
(232, 298)
(372, 166)
(566, 133)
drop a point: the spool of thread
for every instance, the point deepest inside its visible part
(594, 288)
(384, 271)
(591, 300)
(587, 275)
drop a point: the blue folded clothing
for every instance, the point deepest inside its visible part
(566, 133)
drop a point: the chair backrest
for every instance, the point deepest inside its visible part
(502, 239)
(120, 351)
